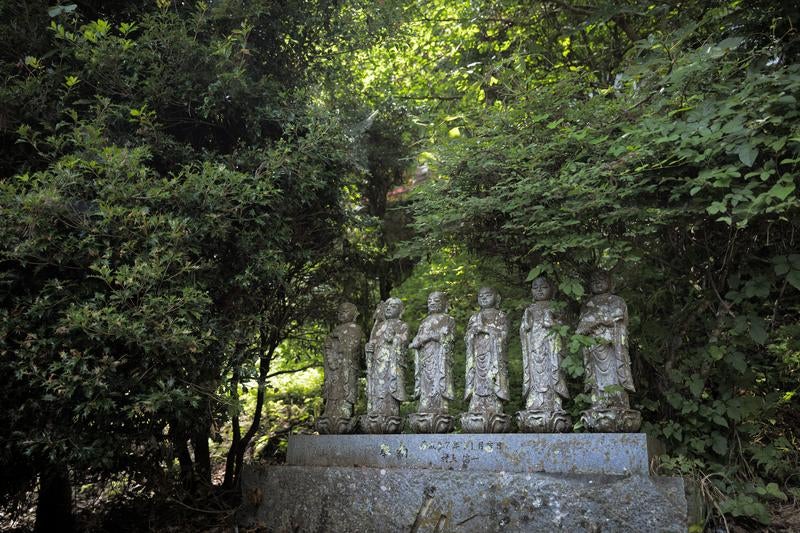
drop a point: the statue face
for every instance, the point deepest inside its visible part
(392, 308)
(600, 284)
(436, 302)
(347, 313)
(541, 289)
(487, 298)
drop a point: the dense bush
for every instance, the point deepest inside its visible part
(173, 205)
(680, 173)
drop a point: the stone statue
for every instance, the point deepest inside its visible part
(433, 361)
(487, 367)
(386, 363)
(377, 318)
(607, 362)
(340, 389)
(543, 381)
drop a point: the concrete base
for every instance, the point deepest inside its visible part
(565, 453)
(338, 499)
(463, 482)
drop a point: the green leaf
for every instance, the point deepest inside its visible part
(716, 352)
(782, 191)
(730, 43)
(793, 277)
(774, 491)
(747, 154)
(572, 288)
(719, 420)
(737, 361)
(55, 11)
(782, 266)
(719, 443)
(757, 287)
(758, 331)
(696, 386)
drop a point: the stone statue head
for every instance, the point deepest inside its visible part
(600, 282)
(393, 308)
(488, 297)
(437, 302)
(542, 289)
(347, 312)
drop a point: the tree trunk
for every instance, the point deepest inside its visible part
(236, 431)
(54, 507)
(202, 455)
(185, 462)
(263, 371)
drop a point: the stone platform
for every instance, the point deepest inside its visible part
(554, 453)
(477, 482)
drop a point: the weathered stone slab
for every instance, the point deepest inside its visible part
(570, 453)
(337, 499)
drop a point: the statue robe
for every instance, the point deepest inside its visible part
(433, 361)
(487, 361)
(386, 368)
(607, 363)
(543, 381)
(340, 388)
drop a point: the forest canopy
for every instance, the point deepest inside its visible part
(187, 189)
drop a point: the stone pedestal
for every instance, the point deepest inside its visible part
(611, 419)
(430, 423)
(380, 424)
(542, 421)
(467, 482)
(483, 423)
(336, 426)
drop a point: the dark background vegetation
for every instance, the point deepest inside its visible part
(187, 189)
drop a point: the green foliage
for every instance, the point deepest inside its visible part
(119, 287)
(679, 170)
(173, 205)
(187, 187)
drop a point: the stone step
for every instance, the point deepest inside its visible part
(564, 453)
(387, 500)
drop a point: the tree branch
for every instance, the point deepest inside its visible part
(293, 370)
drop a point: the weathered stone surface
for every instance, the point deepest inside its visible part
(570, 453)
(340, 390)
(433, 362)
(486, 385)
(607, 363)
(544, 382)
(333, 499)
(386, 363)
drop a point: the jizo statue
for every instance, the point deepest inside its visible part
(340, 389)
(543, 380)
(433, 376)
(386, 363)
(487, 367)
(607, 362)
